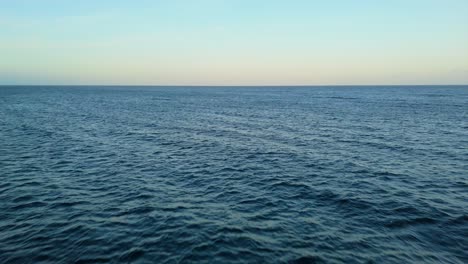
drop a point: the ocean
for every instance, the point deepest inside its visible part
(234, 174)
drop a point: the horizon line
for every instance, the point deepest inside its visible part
(201, 85)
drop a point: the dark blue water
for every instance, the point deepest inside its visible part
(221, 175)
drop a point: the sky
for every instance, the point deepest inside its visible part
(233, 42)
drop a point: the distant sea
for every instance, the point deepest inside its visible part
(234, 174)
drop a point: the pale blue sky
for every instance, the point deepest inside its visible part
(235, 42)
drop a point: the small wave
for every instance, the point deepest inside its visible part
(307, 260)
(23, 198)
(461, 220)
(34, 205)
(132, 255)
(88, 260)
(68, 204)
(401, 223)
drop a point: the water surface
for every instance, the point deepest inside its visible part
(231, 175)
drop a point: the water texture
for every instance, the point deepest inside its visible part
(234, 175)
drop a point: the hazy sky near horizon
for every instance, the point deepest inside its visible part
(233, 42)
